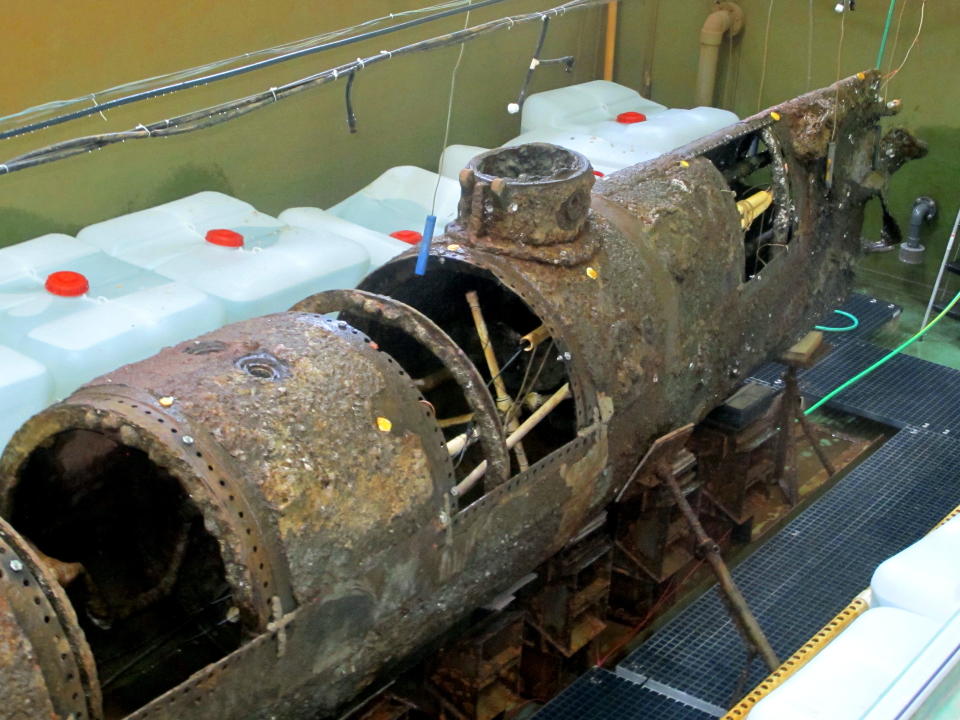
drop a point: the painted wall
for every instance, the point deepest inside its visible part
(658, 46)
(299, 152)
(295, 153)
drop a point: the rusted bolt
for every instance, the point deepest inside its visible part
(466, 178)
(498, 185)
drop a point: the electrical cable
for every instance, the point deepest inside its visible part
(172, 77)
(766, 47)
(446, 127)
(225, 74)
(217, 114)
(854, 323)
(923, 7)
(890, 355)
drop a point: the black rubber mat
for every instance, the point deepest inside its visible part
(806, 573)
(602, 695)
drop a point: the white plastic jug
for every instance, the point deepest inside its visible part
(632, 137)
(379, 246)
(82, 313)
(456, 157)
(584, 104)
(25, 389)
(399, 201)
(924, 578)
(853, 671)
(253, 263)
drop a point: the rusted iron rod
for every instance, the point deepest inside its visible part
(821, 455)
(794, 393)
(503, 399)
(736, 604)
(516, 436)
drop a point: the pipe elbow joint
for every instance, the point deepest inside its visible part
(716, 24)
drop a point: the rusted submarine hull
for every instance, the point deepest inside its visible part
(269, 520)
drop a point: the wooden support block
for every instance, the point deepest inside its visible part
(802, 354)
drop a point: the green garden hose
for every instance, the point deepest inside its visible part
(863, 373)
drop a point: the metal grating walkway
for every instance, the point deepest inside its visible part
(805, 574)
(602, 695)
(808, 572)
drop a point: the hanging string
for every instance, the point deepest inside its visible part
(766, 47)
(923, 6)
(843, 24)
(446, 128)
(896, 44)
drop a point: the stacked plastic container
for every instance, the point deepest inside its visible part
(890, 658)
(69, 312)
(924, 578)
(612, 125)
(388, 215)
(252, 263)
(25, 389)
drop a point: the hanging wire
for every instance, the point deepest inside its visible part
(186, 79)
(923, 6)
(446, 127)
(217, 114)
(896, 43)
(766, 47)
(843, 23)
(348, 99)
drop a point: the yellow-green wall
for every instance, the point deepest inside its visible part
(295, 153)
(299, 152)
(927, 84)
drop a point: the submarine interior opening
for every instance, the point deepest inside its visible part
(531, 370)
(747, 164)
(146, 579)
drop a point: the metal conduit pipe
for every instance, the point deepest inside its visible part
(727, 18)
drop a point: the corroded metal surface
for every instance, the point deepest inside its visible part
(527, 202)
(330, 479)
(46, 668)
(417, 325)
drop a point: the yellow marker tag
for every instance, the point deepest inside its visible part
(684, 163)
(775, 115)
(384, 424)
(592, 274)
(861, 76)
(453, 248)
(166, 401)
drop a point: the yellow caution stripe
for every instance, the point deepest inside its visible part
(800, 658)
